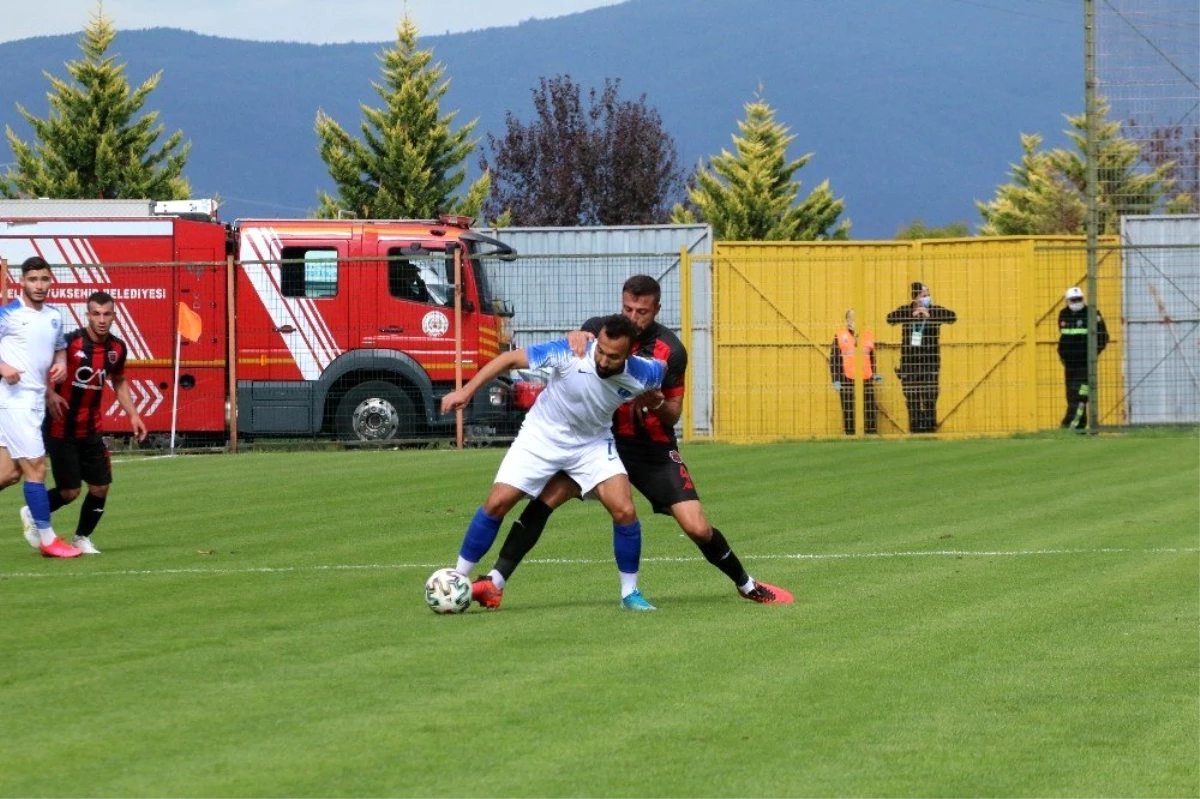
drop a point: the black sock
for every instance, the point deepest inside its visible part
(522, 536)
(56, 500)
(718, 552)
(89, 514)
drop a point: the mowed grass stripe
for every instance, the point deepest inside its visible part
(895, 674)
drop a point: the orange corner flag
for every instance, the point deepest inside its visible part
(189, 323)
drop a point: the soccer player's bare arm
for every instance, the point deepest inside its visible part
(125, 400)
(667, 409)
(58, 370)
(513, 359)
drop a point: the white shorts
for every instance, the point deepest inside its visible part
(21, 432)
(530, 464)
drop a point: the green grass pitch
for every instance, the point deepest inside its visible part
(974, 618)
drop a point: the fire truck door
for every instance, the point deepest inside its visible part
(304, 296)
(410, 306)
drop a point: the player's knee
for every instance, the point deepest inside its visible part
(498, 507)
(68, 495)
(100, 492)
(623, 514)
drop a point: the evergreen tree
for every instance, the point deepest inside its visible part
(1047, 195)
(408, 163)
(90, 145)
(917, 229)
(750, 195)
(1038, 201)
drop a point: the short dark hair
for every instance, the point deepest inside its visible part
(643, 286)
(618, 326)
(33, 264)
(100, 298)
(917, 288)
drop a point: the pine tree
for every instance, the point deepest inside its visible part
(1047, 194)
(917, 229)
(750, 195)
(408, 163)
(1038, 201)
(90, 145)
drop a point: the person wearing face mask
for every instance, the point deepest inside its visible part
(843, 371)
(1072, 351)
(920, 355)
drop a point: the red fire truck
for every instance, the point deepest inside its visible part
(345, 328)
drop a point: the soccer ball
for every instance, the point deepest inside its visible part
(447, 591)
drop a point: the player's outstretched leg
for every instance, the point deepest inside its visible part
(488, 591)
(719, 553)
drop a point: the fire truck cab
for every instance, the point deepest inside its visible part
(345, 328)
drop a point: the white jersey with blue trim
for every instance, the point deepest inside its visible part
(28, 340)
(577, 404)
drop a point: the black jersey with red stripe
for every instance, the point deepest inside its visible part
(656, 341)
(89, 365)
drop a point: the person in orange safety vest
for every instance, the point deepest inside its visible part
(842, 371)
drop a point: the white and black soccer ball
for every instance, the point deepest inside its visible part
(448, 591)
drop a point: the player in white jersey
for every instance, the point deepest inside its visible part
(32, 349)
(569, 429)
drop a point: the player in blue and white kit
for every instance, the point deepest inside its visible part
(569, 429)
(32, 349)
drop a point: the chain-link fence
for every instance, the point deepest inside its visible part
(954, 337)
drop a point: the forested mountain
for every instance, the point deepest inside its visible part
(913, 109)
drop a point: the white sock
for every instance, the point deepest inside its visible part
(497, 578)
(748, 587)
(628, 583)
(464, 566)
(47, 535)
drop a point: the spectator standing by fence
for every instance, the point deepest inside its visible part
(920, 355)
(1073, 352)
(843, 372)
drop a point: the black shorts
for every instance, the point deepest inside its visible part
(659, 474)
(74, 461)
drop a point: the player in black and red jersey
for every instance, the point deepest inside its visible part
(74, 430)
(644, 430)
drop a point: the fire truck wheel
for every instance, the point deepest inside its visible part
(375, 411)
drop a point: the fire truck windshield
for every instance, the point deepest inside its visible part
(427, 275)
(486, 300)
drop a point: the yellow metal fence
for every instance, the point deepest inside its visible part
(776, 308)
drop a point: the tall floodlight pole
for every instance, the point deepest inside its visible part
(1091, 193)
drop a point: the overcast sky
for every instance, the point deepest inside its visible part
(320, 21)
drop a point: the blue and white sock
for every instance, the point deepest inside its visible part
(481, 534)
(627, 549)
(39, 508)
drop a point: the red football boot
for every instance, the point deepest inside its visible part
(766, 594)
(59, 549)
(485, 593)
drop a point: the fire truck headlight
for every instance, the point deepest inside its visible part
(496, 396)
